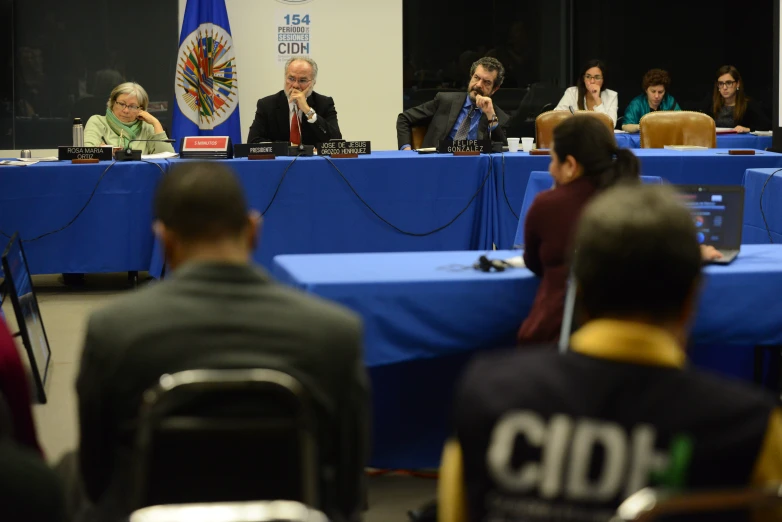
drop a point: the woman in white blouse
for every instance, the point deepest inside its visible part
(590, 94)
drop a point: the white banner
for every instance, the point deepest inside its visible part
(292, 30)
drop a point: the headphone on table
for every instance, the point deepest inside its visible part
(485, 264)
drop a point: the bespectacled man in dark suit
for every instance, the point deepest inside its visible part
(297, 114)
(459, 116)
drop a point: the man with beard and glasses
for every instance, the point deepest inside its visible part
(297, 114)
(456, 116)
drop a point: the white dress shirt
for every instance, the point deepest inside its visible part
(294, 108)
(609, 106)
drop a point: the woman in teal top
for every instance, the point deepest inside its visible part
(127, 119)
(655, 98)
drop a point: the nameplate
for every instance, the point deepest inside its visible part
(344, 148)
(206, 147)
(479, 146)
(84, 153)
(741, 152)
(276, 148)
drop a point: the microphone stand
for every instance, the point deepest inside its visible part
(128, 154)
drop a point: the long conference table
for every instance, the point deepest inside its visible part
(316, 209)
(425, 313)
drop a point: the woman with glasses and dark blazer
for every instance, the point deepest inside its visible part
(731, 108)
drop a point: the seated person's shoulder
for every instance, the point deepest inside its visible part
(729, 393)
(29, 490)
(315, 309)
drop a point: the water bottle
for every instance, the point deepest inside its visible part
(78, 133)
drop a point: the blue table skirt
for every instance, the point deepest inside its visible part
(714, 167)
(315, 211)
(724, 141)
(424, 315)
(754, 227)
(114, 233)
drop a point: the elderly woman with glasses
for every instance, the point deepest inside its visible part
(590, 94)
(731, 108)
(126, 120)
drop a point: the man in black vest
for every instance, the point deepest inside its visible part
(546, 436)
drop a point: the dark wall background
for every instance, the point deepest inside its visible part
(69, 55)
(690, 39)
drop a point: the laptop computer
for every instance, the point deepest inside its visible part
(718, 212)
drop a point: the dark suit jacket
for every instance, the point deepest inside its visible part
(440, 115)
(29, 490)
(217, 315)
(273, 121)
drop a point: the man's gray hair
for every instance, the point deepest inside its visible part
(491, 65)
(131, 88)
(636, 254)
(304, 59)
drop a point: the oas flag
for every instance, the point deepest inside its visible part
(207, 89)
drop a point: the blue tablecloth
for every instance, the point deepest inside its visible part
(724, 141)
(315, 210)
(114, 233)
(714, 167)
(418, 307)
(754, 227)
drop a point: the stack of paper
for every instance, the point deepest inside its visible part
(160, 155)
(686, 147)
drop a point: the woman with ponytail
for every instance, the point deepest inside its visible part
(584, 160)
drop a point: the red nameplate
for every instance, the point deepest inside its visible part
(206, 143)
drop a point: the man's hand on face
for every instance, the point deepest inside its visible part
(300, 98)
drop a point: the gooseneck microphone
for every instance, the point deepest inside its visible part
(128, 154)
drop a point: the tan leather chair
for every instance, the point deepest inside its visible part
(605, 118)
(544, 127)
(419, 133)
(662, 128)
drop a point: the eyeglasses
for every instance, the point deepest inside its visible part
(131, 108)
(589, 77)
(300, 81)
(729, 83)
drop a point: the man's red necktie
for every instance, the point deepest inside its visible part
(295, 129)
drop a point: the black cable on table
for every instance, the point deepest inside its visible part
(762, 213)
(77, 214)
(505, 192)
(282, 178)
(405, 232)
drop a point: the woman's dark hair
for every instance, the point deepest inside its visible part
(594, 147)
(656, 77)
(582, 90)
(741, 98)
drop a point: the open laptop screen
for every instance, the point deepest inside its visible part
(718, 213)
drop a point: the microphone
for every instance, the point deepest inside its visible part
(128, 154)
(571, 110)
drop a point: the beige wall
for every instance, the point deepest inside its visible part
(358, 47)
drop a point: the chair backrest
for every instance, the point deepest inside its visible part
(540, 181)
(544, 127)
(662, 128)
(649, 505)
(269, 511)
(605, 118)
(225, 436)
(419, 133)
